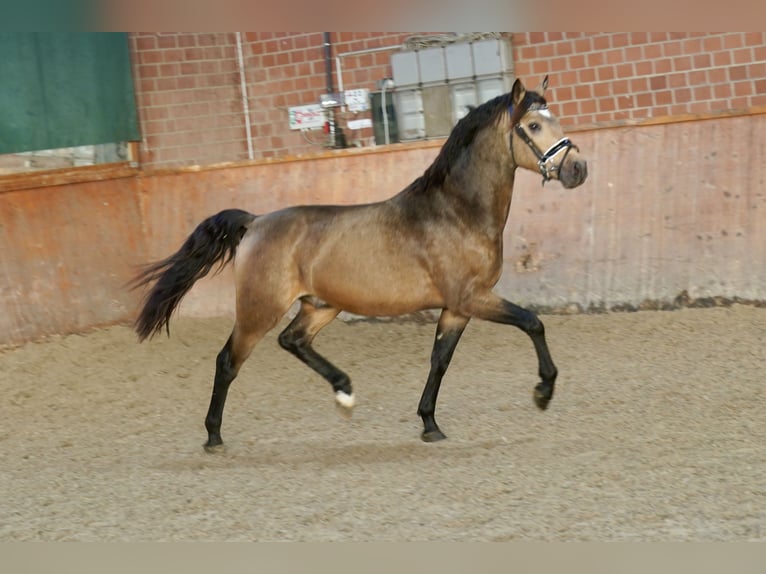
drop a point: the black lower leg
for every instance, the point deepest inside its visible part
(298, 344)
(224, 375)
(448, 334)
(528, 322)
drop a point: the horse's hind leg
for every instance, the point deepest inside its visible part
(297, 337)
(234, 353)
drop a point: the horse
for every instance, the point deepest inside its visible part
(437, 244)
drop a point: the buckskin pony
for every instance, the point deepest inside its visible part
(437, 244)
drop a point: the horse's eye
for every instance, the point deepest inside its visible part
(534, 126)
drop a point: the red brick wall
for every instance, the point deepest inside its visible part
(188, 84)
(607, 77)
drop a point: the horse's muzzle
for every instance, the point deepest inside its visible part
(573, 172)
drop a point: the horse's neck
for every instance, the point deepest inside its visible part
(487, 196)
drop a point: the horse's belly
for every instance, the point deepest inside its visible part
(378, 292)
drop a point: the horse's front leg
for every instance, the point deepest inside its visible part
(493, 308)
(448, 333)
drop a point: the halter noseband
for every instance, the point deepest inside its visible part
(546, 168)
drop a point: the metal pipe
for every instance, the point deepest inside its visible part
(328, 60)
(243, 93)
(339, 68)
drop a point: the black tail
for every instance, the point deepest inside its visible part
(215, 240)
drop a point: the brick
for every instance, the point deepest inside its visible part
(755, 38)
(699, 107)
(702, 61)
(564, 48)
(732, 41)
(658, 82)
(167, 70)
(717, 75)
(570, 109)
(624, 70)
(626, 102)
(605, 73)
(737, 73)
(639, 85)
(149, 71)
(167, 84)
(743, 88)
(663, 66)
(167, 40)
(672, 49)
(644, 100)
(557, 65)
(712, 43)
(568, 78)
(150, 57)
(639, 113)
(696, 78)
(703, 93)
(576, 61)
(634, 53)
(644, 68)
(652, 51)
(620, 40)
(602, 89)
(583, 45)
(588, 106)
(742, 56)
(620, 87)
(663, 97)
(722, 59)
(691, 46)
(146, 43)
(192, 54)
(682, 95)
(602, 42)
(545, 51)
(540, 67)
(187, 40)
(187, 83)
(678, 80)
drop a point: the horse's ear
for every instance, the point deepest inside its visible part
(517, 92)
(543, 86)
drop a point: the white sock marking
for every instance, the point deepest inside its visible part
(345, 400)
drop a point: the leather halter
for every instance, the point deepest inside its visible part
(544, 165)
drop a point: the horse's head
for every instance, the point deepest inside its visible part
(538, 142)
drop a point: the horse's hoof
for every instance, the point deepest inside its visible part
(213, 444)
(433, 436)
(542, 398)
(344, 404)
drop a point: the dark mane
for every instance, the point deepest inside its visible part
(464, 132)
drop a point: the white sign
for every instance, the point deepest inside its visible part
(310, 116)
(359, 124)
(357, 100)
